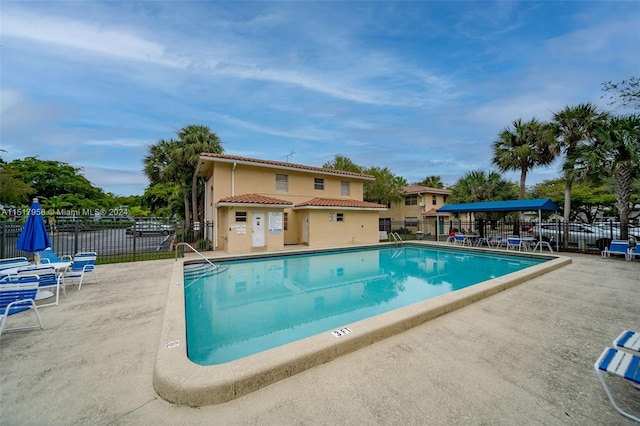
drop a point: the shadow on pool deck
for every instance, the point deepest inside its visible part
(523, 356)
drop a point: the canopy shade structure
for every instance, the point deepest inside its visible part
(501, 206)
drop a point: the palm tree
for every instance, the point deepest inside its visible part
(573, 128)
(616, 153)
(477, 185)
(432, 182)
(162, 165)
(523, 147)
(176, 160)
(194, 140)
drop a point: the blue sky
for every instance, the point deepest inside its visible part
(422, 88)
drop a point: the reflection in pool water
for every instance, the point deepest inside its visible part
(254, 305)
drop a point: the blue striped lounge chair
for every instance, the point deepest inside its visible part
(48, 280)
(629, 340)
(17, 294)
(620, 247)
(619, 363)
(634, 253)
(83, 264)
(13, 262)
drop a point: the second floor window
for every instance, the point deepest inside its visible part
(434, 200)
(344, 188)
(318, 183)
(282, 182)
(411, 200)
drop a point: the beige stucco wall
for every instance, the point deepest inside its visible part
(399, 211)
(262, 180)
(358, 227)
(236, 237)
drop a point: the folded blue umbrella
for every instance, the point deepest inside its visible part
(34, 236)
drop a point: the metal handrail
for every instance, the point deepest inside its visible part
(197, 252)
(396, 237)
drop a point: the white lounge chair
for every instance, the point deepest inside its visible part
(634, 253)
(513, 242)
(17, 294)
(622, 364)
(83, 264)
(629, 340)
(49, 282)
(13, 262)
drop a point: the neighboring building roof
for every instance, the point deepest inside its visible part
(281, 165)
(501, 206)
(255, 199)
(340, 203)
(419, 189)
(430, 212)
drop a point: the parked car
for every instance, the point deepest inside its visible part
(591, 235)
(142, 228)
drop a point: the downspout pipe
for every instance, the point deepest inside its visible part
(233, 179)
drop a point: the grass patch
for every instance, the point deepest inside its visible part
(134, 257)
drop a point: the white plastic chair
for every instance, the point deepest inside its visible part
(622, 364)
(83, 264)
(17, 294)
(47, 280)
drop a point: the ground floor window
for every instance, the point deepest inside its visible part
(410, 222)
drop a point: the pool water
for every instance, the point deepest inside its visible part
(253, 305)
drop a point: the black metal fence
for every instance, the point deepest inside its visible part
(582, 237)
(145, 239)
(114, 241)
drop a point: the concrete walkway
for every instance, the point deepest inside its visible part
(523, 356)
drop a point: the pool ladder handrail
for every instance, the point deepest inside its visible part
(396, 237)
(195, 251)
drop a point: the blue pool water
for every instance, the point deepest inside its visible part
(258, 304)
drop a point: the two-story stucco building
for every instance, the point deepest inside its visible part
(261, 205)
(417, 211)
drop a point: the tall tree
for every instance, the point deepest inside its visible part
(523, 146)
(573, 128)
(175, 161)
(162, 165)
(477, 185)
(432, 182)
(340, 162)
(194, 140)
(616, 153)
(386, 188)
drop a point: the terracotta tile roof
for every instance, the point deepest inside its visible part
(254, 199)
(281, 165)
(419, 189)
(341, 203)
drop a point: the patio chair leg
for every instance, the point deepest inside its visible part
(613, 402)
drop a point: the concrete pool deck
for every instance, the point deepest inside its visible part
(522, 356)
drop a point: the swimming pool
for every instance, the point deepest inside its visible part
(253, 305)
(179, 380)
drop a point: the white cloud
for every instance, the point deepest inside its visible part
(91, 37)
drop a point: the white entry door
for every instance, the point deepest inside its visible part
(257, 229)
